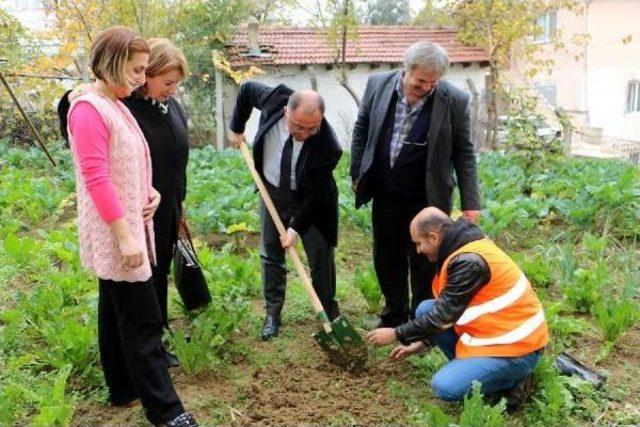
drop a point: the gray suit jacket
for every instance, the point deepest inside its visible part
(449, 145)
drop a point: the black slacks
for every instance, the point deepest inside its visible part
(160, 281)
(129, 332)
(394, 256)
(320, 255)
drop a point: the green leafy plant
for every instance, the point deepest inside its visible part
(429, 363)
(56, 408)
(475, 412)
(231, 274)
(614, 317)
(522, 137)
(587, 287)
(564, 329)
(208, 335)
(537, 270)
(552, 402)
(366, 282)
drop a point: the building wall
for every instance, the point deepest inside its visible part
(612, 64)
(341, 110)
(591, 80)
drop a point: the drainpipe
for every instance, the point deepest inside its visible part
(587, 3)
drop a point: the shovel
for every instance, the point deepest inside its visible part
(338, 339)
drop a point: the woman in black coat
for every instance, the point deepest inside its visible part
(164, 124)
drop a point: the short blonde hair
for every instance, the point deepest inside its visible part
(164, 56)
(111, 51)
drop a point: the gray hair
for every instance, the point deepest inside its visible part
(429, 55)
(310, 101)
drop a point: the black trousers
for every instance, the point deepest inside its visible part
(129, 331)
(395, 256)
(320, 255)
(160, 281)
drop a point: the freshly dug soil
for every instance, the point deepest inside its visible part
(293, 394)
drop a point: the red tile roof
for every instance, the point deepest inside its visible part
(376, 44)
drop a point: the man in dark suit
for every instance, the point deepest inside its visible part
(295, 152)
(412, 132)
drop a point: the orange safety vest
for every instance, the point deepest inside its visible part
(505, 317)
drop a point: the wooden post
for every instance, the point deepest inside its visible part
(475, 121)
(312, 77)
(218, 106)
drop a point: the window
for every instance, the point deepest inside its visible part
(633, 96)
(548, 91)
(547, 24)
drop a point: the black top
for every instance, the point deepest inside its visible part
(166, 134)
(316, 196)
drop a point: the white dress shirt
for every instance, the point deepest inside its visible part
(274, 141)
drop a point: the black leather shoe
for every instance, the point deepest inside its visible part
(170, 359)
(183, 420)
(270, 327)
(333, 314)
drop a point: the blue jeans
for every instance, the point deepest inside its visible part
(455, 379)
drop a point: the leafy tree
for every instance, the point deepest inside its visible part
(11, 33)
(434, 15)
(196, 26)
(20, 56)
(384, 12)
(340, 20)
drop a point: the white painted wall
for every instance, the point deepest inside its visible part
(341, 110)
(607, 101)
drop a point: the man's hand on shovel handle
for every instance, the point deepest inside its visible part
(235, 139)
(290, 239)
(381, 336)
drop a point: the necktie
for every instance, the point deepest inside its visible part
(285, 165)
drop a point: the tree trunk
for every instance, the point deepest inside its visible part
(312, 77)
(491, 138)
(345, 84)
(475, 121)
(344, 79)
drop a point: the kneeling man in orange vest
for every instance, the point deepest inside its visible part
(485, 317)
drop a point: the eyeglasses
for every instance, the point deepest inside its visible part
(298, 128)
(295, 127)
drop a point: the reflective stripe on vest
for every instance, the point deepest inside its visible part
(518, 334)
(496, 304)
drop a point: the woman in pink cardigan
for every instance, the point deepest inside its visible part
(116, 203)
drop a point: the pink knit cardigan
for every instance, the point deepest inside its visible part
(130, 171)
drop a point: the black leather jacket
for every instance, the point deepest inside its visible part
(467, 273)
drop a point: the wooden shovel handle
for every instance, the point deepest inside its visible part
(306, 281)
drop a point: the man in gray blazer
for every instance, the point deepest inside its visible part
(412, 132)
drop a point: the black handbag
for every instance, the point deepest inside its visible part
(188, 276)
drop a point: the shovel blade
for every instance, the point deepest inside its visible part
(343, 345)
